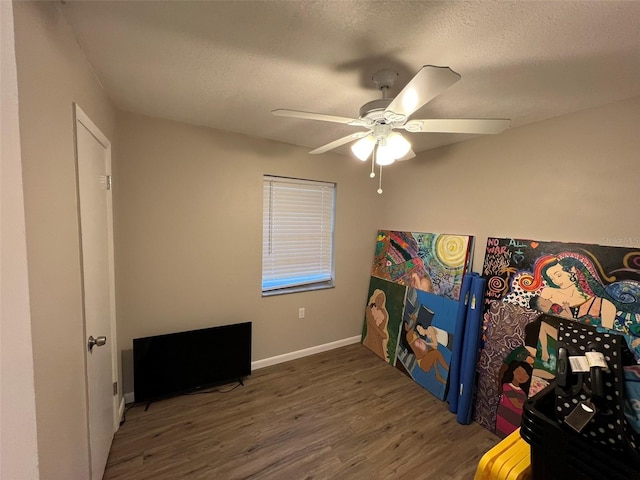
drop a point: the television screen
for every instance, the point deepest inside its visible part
(175, 363)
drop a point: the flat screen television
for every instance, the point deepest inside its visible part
(176, 363)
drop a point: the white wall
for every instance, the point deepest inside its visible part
(53, 73)
(572, 178)
(18, 439)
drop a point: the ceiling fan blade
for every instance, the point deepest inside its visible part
(356, 122)
(428, 83)
(408, 156)
(458, 125)
(339, 142)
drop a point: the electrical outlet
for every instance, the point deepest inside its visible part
(301, 312)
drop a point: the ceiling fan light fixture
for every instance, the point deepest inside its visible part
(363, 147)
(385, 154)
(399, 145)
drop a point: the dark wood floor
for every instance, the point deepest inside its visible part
(342, 414)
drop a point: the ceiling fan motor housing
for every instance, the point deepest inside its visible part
(374, 110)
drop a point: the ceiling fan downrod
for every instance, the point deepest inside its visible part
(384, 80)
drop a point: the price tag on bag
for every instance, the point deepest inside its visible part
(579, 364)
(590, 359)
(596, 359)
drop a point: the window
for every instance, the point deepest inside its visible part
(297, 235)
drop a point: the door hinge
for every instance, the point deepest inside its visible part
(115, 388)
(109, 182)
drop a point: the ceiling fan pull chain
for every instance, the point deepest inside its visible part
(373, 163)
(380, 181)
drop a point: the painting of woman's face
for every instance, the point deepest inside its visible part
(421, 330)
(520, 375)
(559, 276)
(378, 315)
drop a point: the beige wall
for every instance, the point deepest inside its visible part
(52, 74)
(18, 438)
(188, 213)
(571, 178)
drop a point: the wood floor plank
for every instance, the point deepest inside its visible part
(342, 414)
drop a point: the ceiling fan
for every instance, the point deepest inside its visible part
(382, 117)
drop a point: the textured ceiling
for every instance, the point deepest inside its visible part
(227, 64)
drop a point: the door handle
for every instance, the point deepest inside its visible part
(96, 342)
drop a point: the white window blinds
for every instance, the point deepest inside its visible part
(297, 235)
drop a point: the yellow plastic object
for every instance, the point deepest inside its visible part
(508, 460)
(488, 459)
(522, 471)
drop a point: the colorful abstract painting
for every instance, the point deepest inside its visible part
(504, 335)
(426, 339)
(383, 316)
(531, 283)
(430, 262)
(593, 284)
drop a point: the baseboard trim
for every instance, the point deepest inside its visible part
(267, 362)
(120, 413)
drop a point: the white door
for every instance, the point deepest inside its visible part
(93, 152)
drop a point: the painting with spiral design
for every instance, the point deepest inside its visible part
(593, 284)
(430, 262)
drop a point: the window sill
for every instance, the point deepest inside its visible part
(297, 289)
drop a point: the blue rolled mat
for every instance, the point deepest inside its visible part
(471, 344)
(458, 339)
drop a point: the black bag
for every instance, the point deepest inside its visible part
(603, 388)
